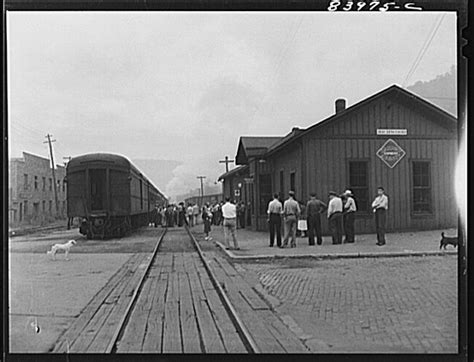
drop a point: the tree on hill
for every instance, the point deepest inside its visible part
(441, 91)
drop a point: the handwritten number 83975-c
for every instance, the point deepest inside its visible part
(374, 5)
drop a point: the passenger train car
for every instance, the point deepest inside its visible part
(110, 195)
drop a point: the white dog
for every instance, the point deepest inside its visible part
(66, 247)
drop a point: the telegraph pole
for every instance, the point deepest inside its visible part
(202, 187)
(226, 161)
(55, 186)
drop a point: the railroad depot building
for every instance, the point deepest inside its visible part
(393, 139)
(31, 190)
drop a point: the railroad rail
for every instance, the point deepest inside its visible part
(169, 303)
(111, 347)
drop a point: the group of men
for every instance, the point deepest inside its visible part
(175, 215)
(217, 217)
(340, 210)
(228, 217)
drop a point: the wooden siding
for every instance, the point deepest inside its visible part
(353, 137)
(384, 113)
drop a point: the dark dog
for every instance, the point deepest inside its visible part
(447, 240)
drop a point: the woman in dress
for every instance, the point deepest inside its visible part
(207, 219)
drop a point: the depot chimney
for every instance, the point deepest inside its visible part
(340, 105)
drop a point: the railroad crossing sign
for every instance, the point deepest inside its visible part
(391, 153)
(237, 192)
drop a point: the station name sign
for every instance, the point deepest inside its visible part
(392, 131)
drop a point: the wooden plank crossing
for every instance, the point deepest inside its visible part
(190, 332)
(153, 339)
(172, 334)
(78, 327)
(270, 334)
(104, 323)
(187, 315)
(178, 309)
(141, 314)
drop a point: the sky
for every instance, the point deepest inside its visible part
(185, 86)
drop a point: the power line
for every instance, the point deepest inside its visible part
(424, 48)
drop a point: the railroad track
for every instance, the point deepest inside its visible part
(172, 303)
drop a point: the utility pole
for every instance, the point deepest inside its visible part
(226, 161)
(202, 187)
(55, 187)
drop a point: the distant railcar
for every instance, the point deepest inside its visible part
(110, 195)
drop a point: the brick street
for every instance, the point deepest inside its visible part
(403, 304)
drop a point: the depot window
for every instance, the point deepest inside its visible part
(421, 181)
(293, 181)
(359, 183)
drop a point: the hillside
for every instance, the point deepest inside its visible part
(441, 91)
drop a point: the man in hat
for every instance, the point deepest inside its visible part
(349, 216)
(380, 206)
(314, 208)
(335, 217)
(291, 212)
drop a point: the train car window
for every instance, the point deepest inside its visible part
(97, 187)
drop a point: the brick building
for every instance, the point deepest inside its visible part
(31, 193)
(393, 138)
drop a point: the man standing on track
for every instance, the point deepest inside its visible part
(190, 214)
(229, 213)
(274, 212)
(314, 208)
(380, 206)
(291, 212)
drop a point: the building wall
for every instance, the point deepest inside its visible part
(231, 184)
(323, 166)
(35, 197)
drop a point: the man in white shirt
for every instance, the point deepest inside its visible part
(349, 216)
(274, 220)
(335, 217)
(190, 214)
(291, 213)
(380, 207)
(229, 213)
